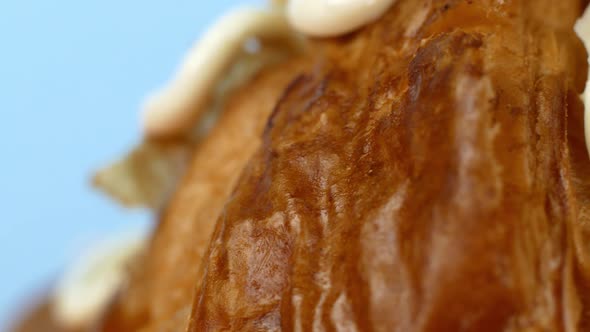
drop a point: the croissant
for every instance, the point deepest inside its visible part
(425, 173)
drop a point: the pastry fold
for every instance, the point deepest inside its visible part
(427, 173)
(159, 294)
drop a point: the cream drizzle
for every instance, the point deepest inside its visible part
(177, 108)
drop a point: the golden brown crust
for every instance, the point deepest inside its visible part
(421, 177)
(427, 173)
(160, 293)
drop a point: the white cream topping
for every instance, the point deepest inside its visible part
(328, 18)
(89, 285)
(178, 106)
(583, 30)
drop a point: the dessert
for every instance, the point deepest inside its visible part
(426, 172)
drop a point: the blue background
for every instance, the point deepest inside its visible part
(72, 74)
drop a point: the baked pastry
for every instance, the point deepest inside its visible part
(427, 172)
(429, 175)
(160, 294)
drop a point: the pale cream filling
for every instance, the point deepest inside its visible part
(330, 18)
(177, 107)
(93, 279)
